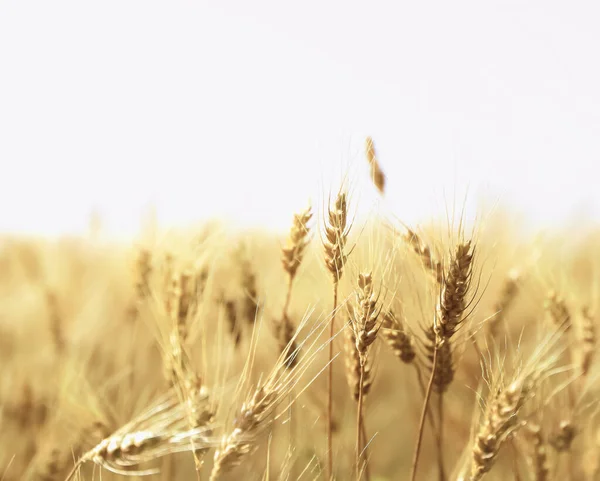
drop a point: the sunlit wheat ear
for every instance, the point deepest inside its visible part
(400, 341)
(293, 253)
(538, 452)
(257, 413)
(291, 258)
(501, 417)
(336, 236)
(364, 316)
(510, 291)
(455, 286)
(429, 261)
(377, 175)
(159, 431)
(365, 325)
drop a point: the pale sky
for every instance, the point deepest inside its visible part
(248, 108)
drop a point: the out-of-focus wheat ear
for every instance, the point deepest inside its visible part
(429, 261)
(455, 286)
(142, 274)
(538, 452)
(201, 282)
(167, 273)
(180, 303)
(29, 411)
(250, 305)
(558, 311)
(377, 175)
(284, 331)
(559, 314)
(562, 439)
(56, 321)
(230, 310)
(399, 340)
(587, 344)
(53, 468)
(509, 293)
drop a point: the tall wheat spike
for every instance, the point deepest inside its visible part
(337, 229)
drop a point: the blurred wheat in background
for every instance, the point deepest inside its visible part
(352, 348)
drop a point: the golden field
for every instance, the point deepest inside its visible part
(205, 354)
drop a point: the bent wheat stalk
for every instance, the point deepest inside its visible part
(159, 431)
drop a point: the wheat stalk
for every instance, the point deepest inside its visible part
(291, 258)
(336, 234)
(365, 326)
(449, 315)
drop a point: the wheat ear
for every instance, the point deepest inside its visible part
(501, 417)
(336, 234)
(449, 315)
(430, 262)
(538, 458)
(291, 258)
(377, 175)
(587, 341)
(365, 326)
(509, 293)
(160, 430)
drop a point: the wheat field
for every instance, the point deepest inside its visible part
(348, 349)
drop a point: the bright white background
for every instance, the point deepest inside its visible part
(247, 108)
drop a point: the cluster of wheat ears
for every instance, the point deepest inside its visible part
(371, 352)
